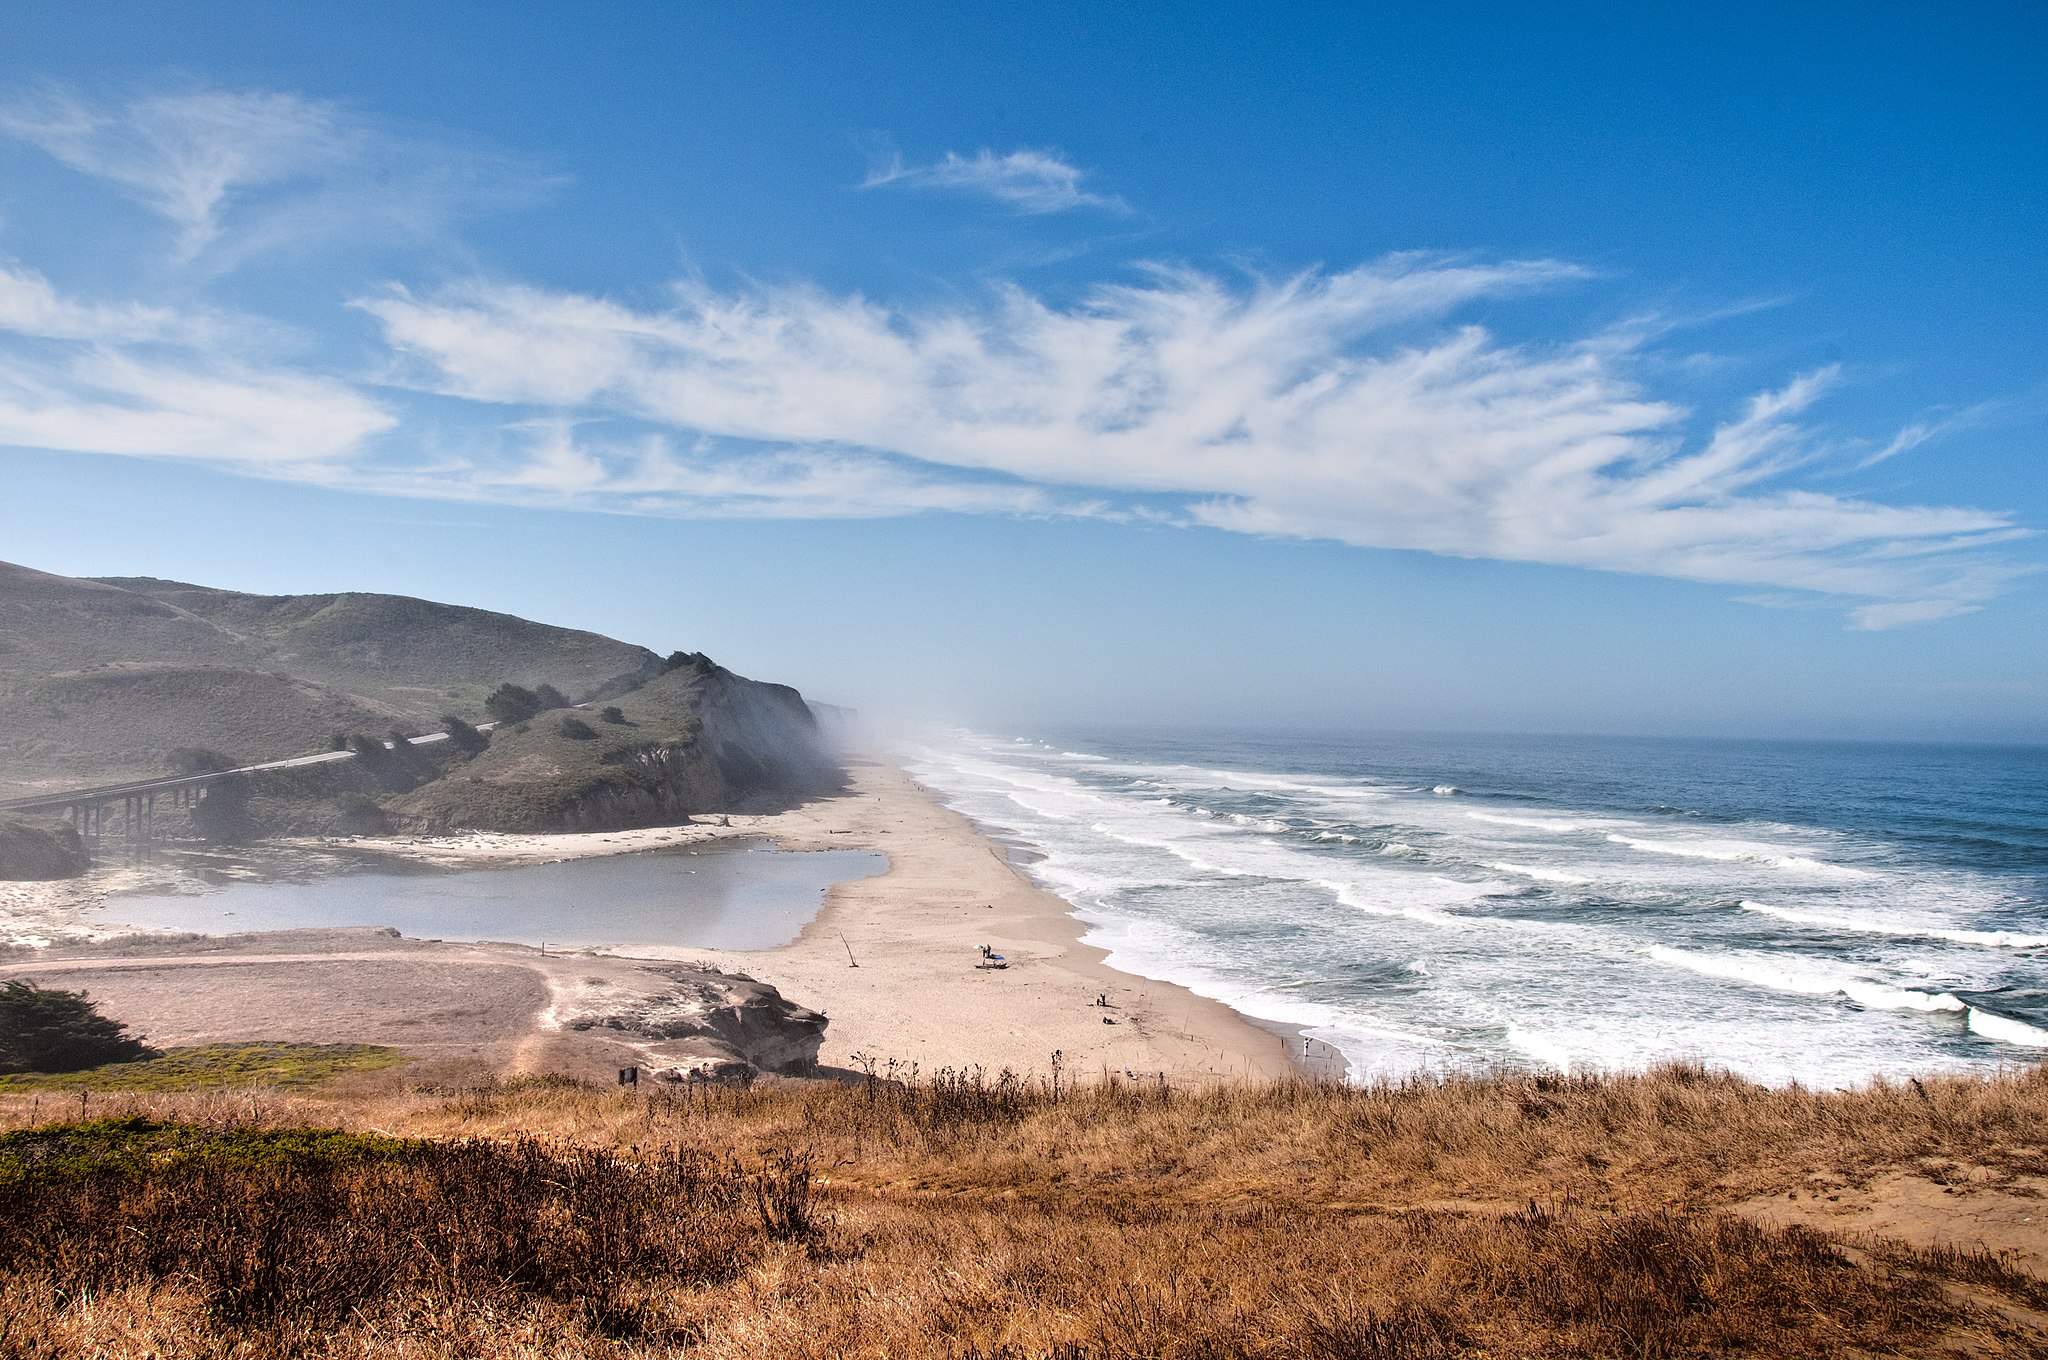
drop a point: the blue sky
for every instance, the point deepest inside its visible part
(1500, 368)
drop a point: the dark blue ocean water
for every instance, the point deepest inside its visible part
(1818, 912)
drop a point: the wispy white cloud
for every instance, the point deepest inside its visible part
(555, 462)
(237, 173)
(110, 402)
(1877, 618)
(1030, 181)
(1302, 406)
(30, 306)
(154, 381)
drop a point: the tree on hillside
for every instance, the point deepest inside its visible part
(576, 729)
(510, 703)
(191, 760)
(550, 697)
(612, 713)
(50, 1030)
(463, 734)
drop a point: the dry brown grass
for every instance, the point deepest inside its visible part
(974, 1216)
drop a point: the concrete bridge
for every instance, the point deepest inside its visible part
(93, 811)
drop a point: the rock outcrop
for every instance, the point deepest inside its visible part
(708, 1025)
(33, 851)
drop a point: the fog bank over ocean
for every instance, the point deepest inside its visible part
(1815, 912)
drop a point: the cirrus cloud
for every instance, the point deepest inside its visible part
(1343, 405)
(1027, 180)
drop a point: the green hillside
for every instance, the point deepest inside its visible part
(50, 624)
(415, 655)
(695, 739)
(102, 680)
(121, 722)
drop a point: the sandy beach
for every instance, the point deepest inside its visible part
(891, 960)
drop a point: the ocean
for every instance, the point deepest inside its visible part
(1794, 911)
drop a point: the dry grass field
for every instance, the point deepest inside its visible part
(977, 1215)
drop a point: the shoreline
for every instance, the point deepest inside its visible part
(890, 959)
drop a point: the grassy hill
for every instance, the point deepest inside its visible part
(101, 680)
(51, 624)
(120, 722)
(418, 656)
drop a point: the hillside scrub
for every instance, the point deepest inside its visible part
(47, 1029)
(197, 1067)
(692, 740)
(123, 722)
(969, 1214)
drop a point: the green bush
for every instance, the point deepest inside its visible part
(463, 734)
(550, 697)
(576, 729)
(510, 703)
(612, 713)
(51, 1030)
(191, 760)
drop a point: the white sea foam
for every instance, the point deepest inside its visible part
(1541, 875)
(1739, 852)
(1556, 825)
(1446, 790)
(2006, 1029)
(1401, 850)
(1994, 939)
(1546, 1051)
(1806, 980)
(1080, 755)
(1356, 895)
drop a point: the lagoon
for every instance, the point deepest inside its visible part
(734, 895)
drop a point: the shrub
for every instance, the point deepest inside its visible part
(612, 713)
(550, 697)
(510, 703)
(367, 748)
(463, 734)
(191, 760)
(576, 729)
(51, 1030)
(286, 1234)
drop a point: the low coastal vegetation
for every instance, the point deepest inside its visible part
(194, 1067)
(976, 1215)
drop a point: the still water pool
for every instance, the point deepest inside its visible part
(738, 895)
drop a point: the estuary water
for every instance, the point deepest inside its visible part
(1793, 911)
(727, 895)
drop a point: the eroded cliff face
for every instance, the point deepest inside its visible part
(697, 739)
